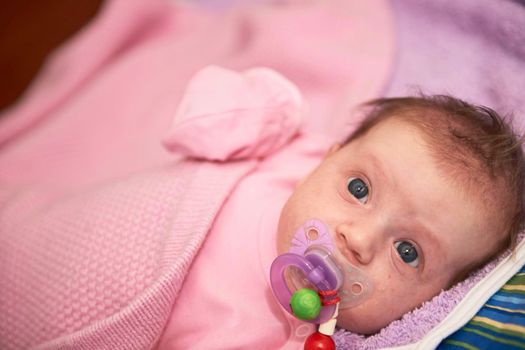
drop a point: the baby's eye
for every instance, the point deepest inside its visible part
(408, 253)
(358, 188)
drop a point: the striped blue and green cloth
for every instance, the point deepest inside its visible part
(499, 324)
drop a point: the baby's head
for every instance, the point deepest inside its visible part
(423, 192)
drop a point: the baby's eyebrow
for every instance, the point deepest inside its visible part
(428, 233)
(425, 234)
(378, 168)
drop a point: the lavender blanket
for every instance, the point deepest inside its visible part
(472, 49)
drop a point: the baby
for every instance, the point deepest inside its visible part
(424, 191)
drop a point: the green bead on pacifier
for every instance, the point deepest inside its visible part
(305, 304)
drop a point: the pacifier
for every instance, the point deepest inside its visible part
(311, 284)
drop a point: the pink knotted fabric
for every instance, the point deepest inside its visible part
(261, 111)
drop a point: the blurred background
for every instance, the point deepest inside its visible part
(29, 30)
(442, 46)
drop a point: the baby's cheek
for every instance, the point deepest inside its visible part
(286, 229)
(363, 319)
(388, 303)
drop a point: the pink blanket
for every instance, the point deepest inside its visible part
(98, 222)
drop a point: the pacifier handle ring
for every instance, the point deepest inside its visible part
(283, 293)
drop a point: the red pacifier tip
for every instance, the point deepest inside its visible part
(319, 341)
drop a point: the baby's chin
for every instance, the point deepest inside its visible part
(357, 322)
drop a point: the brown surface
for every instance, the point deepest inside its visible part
(29, 30)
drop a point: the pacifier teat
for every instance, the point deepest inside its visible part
(310, 282)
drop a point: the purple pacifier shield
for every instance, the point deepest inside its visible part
(312, 232)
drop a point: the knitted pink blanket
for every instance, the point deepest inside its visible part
(98, 221)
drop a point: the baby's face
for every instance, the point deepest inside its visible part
(396, 215)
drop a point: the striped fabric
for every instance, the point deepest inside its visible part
(499, 324)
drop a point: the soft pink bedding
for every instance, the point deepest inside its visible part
(98, 222)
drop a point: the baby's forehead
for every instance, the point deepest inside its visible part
(434, 131)
(393, 132)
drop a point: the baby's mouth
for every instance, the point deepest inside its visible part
(315, 247)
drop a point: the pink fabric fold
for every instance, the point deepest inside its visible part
(119, 27)
(259, 111)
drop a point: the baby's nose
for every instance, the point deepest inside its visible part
(359, 243)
